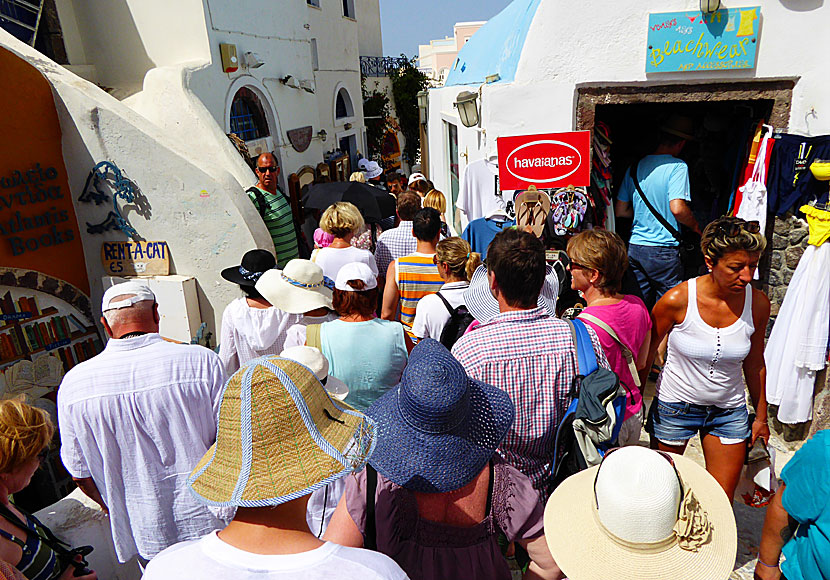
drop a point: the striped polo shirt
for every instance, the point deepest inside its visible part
(280, 223)
(416, 276)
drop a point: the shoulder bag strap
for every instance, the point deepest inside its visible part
(259, 201)
(370, 536)
(585, 349)
(672, 230)
(312, 336)
(449, 308)
(629, 356)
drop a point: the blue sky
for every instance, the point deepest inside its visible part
(408, 23)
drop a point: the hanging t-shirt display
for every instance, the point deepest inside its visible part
(479, 233)
(479, 193)
(753, 205)
(790, 182)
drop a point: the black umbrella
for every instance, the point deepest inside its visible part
(374, 203)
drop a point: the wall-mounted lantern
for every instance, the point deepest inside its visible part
(322, 135)
(466, 103)
(709, 6)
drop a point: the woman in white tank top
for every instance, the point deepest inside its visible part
(716, 325)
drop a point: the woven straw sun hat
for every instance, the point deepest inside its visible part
(483, 305)
(437, 428)
(642, 515)
(298, 288)
(280, 437)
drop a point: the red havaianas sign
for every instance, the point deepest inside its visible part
(546, 161)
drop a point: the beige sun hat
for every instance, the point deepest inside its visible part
(298, 288)
(280, 437)
(642, 515)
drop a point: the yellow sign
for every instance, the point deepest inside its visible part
(135, 258)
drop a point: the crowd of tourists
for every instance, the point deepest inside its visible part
(394, 411)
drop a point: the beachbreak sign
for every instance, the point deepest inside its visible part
(546, 161)
(692, 41)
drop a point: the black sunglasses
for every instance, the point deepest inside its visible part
(41, 457)
(272, 169)
(579, 266)
(731, 229)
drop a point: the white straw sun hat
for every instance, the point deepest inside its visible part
(483, 305)
(642, 515)
(299, 288)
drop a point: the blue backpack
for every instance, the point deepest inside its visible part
(593, 389)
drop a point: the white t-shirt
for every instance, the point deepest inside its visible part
(477, 194)
(431, 315)
(295, 336)
(210, 557)
(332, 259)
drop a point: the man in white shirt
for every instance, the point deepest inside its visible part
(133, 422)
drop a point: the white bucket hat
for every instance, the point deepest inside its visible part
(483, 306)
(373, 169)
(642, 514)
(318, 364)
(298, 288)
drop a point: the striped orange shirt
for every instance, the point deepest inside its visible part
(417, 276)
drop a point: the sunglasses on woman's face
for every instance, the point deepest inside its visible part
(734, 228)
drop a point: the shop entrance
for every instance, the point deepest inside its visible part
(725, 117)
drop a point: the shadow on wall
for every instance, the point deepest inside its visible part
(802, 5)
(110, 24)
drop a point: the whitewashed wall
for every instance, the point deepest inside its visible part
(598, 42)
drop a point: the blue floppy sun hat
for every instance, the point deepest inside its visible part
(437, 428)
(280, 436)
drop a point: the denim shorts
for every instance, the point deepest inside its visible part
(657, 268)
(673, 423)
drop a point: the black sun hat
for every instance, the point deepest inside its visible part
(254, 263)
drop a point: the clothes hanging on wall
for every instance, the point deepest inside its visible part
(748, 167)
(479, 233)
(790, 182)
(797, 347)
(599, 193)
(479, 192)
(753, 205)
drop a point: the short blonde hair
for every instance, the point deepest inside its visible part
(24, 432)
(341, 219)
(716, 240)
(457, 254)
(604, 252)
(358, 176)
(436, 200)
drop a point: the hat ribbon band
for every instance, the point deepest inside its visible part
(327, 282)
(249, 275)
(691, 531)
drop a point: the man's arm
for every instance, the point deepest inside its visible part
(87, 485)
(391, 295)
(683, 214)
(623, 209)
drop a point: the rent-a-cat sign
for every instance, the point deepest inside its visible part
(546, 161)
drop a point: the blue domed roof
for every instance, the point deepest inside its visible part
(496, 47)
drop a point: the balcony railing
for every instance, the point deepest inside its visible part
(380, 66)
(21, 18)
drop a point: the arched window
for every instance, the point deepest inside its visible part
(343, 108)
(247, 117)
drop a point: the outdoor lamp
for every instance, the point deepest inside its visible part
(467, 107)
(709, 6)
(423, 104)
(322, 135)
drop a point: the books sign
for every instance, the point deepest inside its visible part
(546, 161)
(135, 258)
(689, 41)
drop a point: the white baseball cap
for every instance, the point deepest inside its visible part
(355, 271)
(139, 291)
(416, 177)
(319, 365)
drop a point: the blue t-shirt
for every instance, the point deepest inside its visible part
(807, 499)
(479, 233)
(662, 179)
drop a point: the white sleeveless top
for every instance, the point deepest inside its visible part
(704, 365)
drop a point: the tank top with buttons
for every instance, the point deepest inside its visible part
(704, 365)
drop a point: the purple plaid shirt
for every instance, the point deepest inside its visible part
(531, 356)
(393, 244)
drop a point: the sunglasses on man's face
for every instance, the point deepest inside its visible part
(272, 169)
(732, 229)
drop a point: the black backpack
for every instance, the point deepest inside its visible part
(460, 320)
